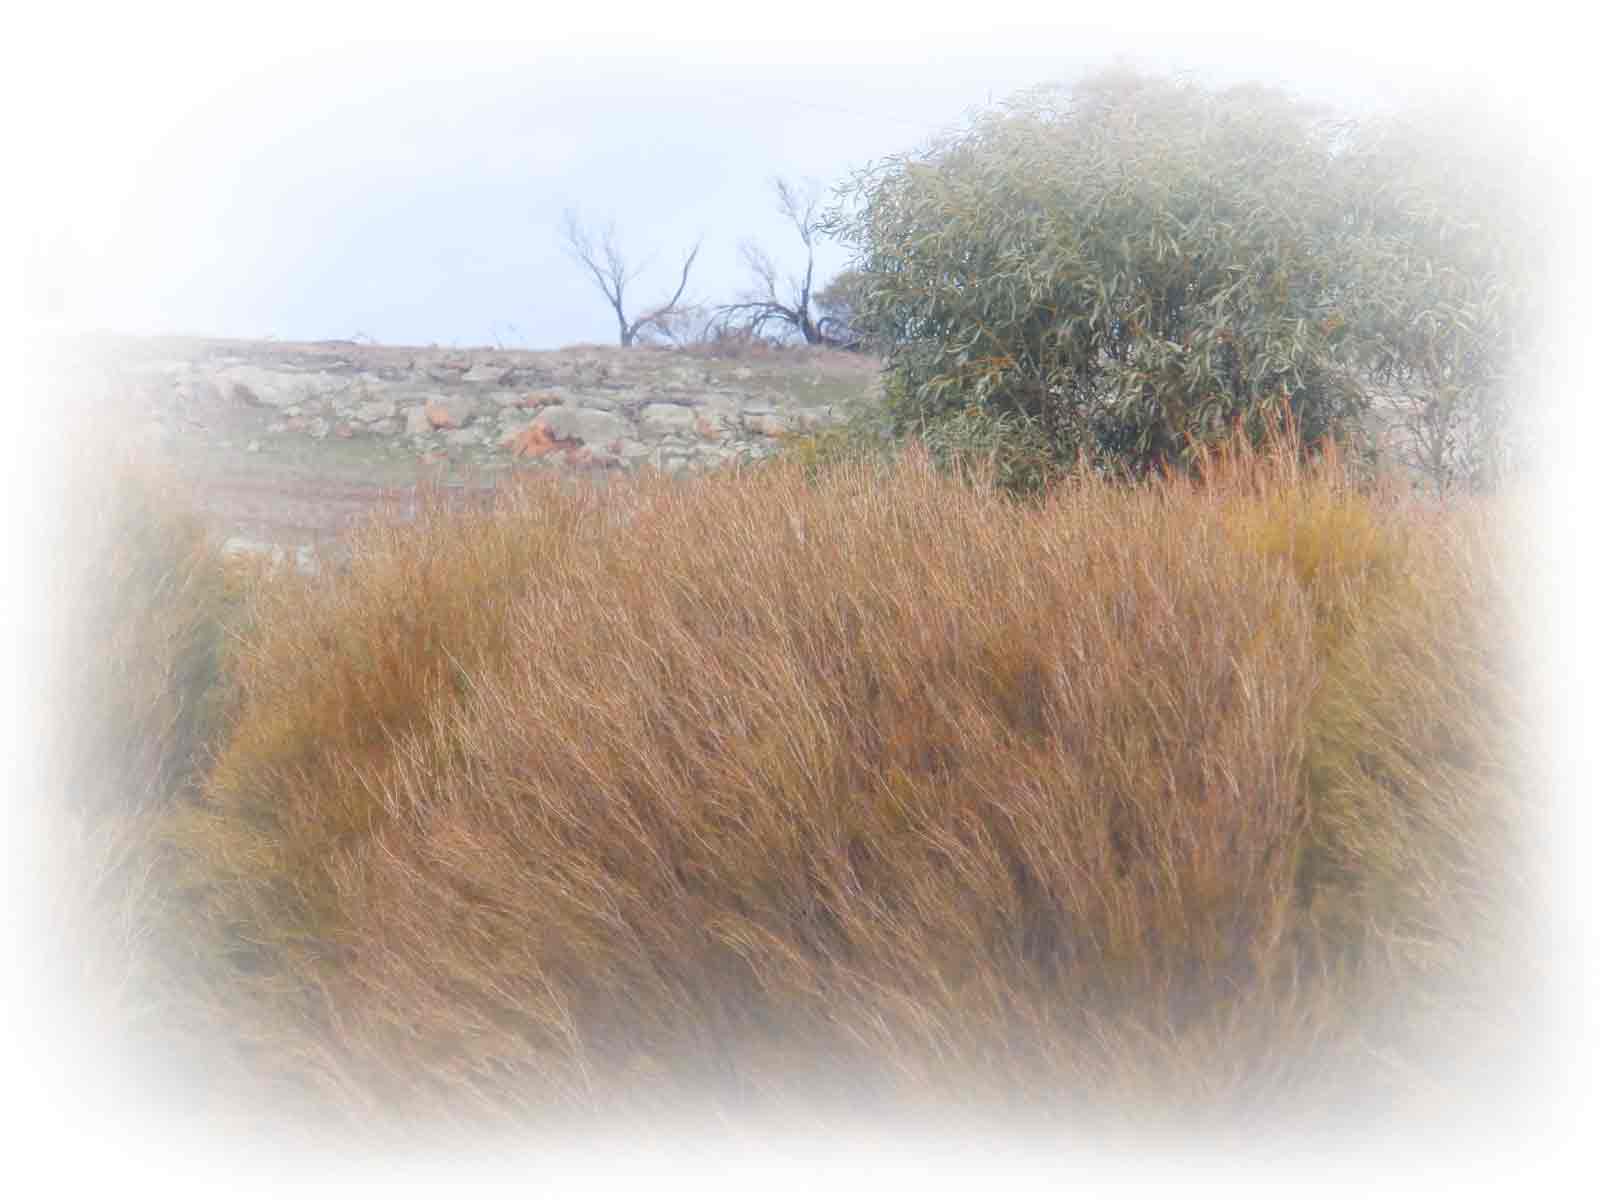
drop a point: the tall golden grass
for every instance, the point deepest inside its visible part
(788, 794)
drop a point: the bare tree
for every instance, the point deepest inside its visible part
(763, 305)
(605, 261)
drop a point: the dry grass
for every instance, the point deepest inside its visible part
(801, 796)
(135, 607)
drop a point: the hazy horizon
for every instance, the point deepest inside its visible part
(412, 195)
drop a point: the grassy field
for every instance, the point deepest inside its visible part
(801, 796)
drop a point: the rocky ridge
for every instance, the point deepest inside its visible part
(585, 407)
(287, 443)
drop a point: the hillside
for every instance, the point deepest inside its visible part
(287, 442)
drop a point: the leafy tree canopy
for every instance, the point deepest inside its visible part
(1132, 264)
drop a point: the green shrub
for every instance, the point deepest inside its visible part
(1138, 264)
(1009, 450)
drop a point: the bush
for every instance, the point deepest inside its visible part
(1008, 450)
(815, 794)
(1445, 272)
(1423, 833)
(1137, 265)
(335, 675)
(973, 445)
(889, 793)
(137, 607)
(140, 601)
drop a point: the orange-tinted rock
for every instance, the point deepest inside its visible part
(533, 442)
(537, 441)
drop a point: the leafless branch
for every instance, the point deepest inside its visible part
(763, 305)
(606, 263)
(663, 310)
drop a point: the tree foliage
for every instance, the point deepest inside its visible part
(837, 306)
(1136, 264)
(1443, 262)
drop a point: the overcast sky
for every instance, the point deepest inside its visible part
(412, 193)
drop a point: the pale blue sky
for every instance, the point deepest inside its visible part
(412, 193)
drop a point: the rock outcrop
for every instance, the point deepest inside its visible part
(587, 406)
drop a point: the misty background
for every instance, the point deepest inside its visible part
(412, 194)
